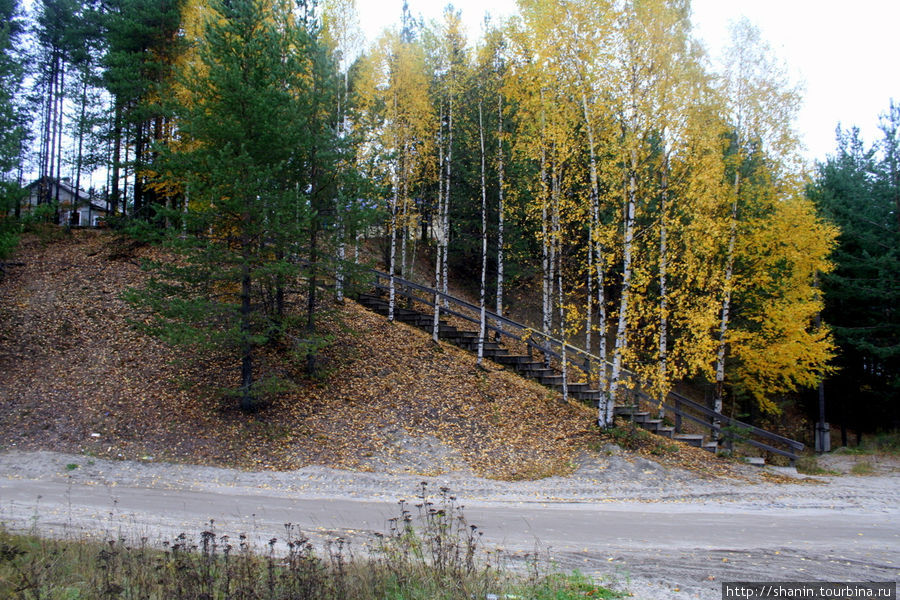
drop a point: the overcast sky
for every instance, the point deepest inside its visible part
(844, 53)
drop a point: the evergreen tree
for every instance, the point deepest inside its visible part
(12, 124)
(142, 43)
(857, 189)
(255, 160)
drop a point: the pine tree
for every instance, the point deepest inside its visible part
(255, 162)
(12, 125)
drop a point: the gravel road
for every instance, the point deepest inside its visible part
(657, 532)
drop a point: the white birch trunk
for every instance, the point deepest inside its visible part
(589, 310)
(404, 229)
(339, 275)
(726, 304)
(562, 330)
(622, 326)
(500, 210)
(391, 291)
(547, 281)
(554, 246)
(604, 417)
(663, 292)
(438, 242)
(595, 195)
(446, 219)
(482, 324)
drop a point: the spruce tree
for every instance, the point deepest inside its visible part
(856, 188)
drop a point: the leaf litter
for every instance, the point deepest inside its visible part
(76, 377)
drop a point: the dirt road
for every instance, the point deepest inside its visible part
(659, 534)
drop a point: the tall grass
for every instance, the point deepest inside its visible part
(429, 552)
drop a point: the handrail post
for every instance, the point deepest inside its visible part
(677, 414)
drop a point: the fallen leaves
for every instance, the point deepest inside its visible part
(71, 367)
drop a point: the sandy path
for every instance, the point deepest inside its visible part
(653, 530)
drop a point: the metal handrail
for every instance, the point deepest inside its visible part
(589, 359)
(735, 423)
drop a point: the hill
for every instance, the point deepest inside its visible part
(77, 377)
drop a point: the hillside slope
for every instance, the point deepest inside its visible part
(76, 377)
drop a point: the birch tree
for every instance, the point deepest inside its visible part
(398, 121)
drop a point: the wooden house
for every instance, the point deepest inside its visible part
(76, 207)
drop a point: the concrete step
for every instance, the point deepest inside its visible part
(625, 410)
(593, 395)
(495, 353)
(512, 359)
(640, 416)
(469, 335)
(414, 320)
(536, 367)
(710, 447)
(530, 365)
(652, 425)
(573, 388)
(693, 439)
(551, 379)
(665, 431)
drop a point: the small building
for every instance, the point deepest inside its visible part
(76, 207)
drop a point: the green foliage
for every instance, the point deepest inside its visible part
(258, 161)
(12, 69)
(808, 465)
(631, 437)
(862, 468)
(10, 227)
(569, 587)
(858, 189)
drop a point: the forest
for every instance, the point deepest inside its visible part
(584, 159)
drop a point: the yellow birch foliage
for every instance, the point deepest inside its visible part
(774, 341)
(396, 116)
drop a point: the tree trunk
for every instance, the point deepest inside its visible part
(246, 339)
(438, 239)
(446, 219)
(311, 300)
(595, 195)
(79, 153)
(547, 279)
(663, 294)
(342, 255)
(138, 192)
(392, 260)
(116, 159)
(622, 327)
(604, 417)
(482, 319)
(726, 303)
(562, 331)
(500, 210)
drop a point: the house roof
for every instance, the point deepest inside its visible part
(66, 184)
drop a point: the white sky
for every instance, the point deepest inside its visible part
(845, 53)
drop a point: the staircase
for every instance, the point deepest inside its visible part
(542, 371)
(529, 367)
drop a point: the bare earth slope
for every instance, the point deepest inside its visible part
(75, 377)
